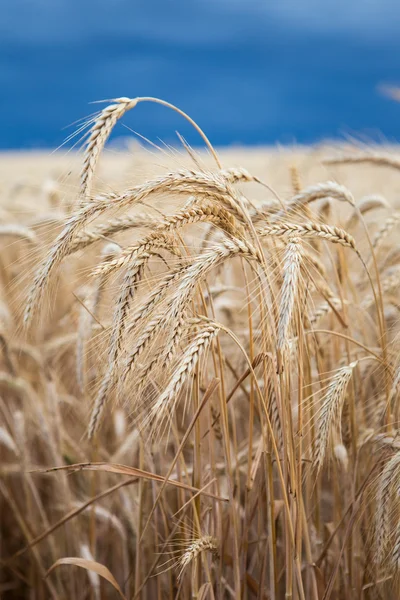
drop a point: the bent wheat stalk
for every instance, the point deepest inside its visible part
(104, 124)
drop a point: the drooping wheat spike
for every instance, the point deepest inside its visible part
(131, 279)
(54, 257)
(207, 185)
(104, 230)
(330, 189)
(291, 271)
(205, 213)
(202, 265)
(330, 413)
(153, 241)
(387, 493)
(203, 544)
(99, 134)
(332, 234)
(239, 175)
(153, 326)
(375, 159)
(167, 400)
(186, 279)
(387, 226)
(236, 175)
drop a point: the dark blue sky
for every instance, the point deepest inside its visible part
(248, 71)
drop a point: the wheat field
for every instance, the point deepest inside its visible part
(200, 373)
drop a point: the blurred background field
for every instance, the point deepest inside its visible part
(28, 178)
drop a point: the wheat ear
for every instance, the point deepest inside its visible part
(101, 232)
(330, 189)
(395, 558)
(181, 182)
(330, 413)
(332, 234)
(203, 544)
(187, 278)
(99, 134)
(167, 400)
(165, 354)
(131, 279)
(291, 270)
(204, 213)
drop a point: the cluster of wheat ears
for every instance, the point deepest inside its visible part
(228, 372)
